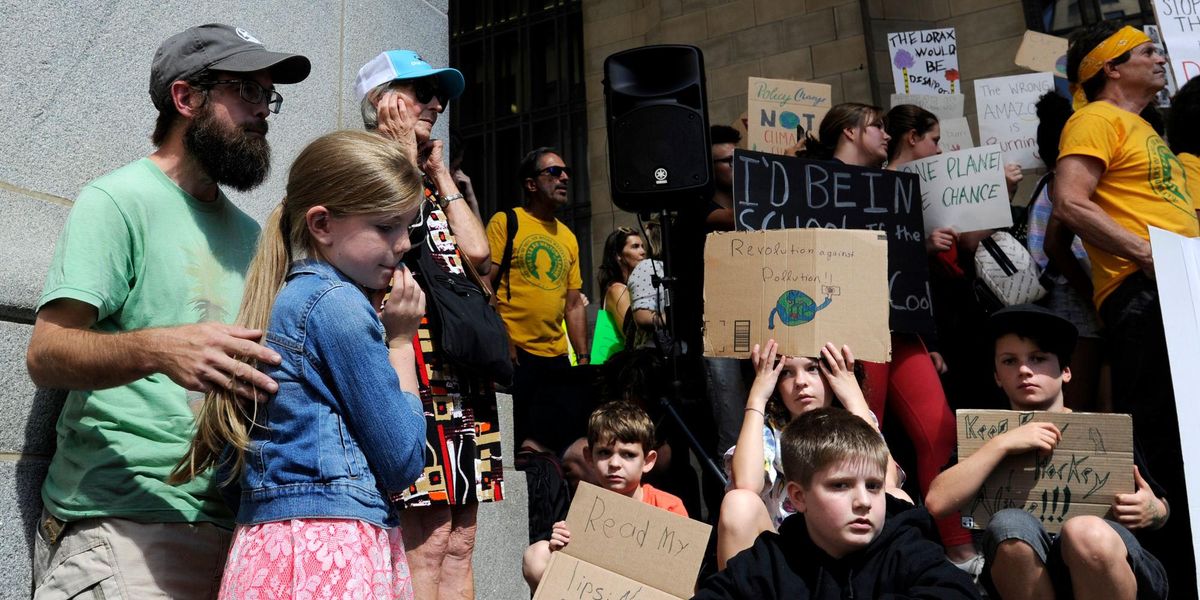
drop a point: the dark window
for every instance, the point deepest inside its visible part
(523, 61)
(1061, 17)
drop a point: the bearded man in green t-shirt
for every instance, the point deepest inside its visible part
(135, 320)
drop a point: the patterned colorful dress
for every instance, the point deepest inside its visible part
(462, 452)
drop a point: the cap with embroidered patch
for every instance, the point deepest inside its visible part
(405, 64)
(218, 47)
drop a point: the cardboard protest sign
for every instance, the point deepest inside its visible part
(943, 106)
(803, 287)
(778, 106)
(1043, 53)
(616, 540)
(568, 577)
(925, 62)
(1177, 274)
(1165, 94)
(1179, 24)
(1007, 115)
(784, 192)
(964, 190)
(1091, 464)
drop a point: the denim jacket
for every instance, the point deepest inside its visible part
(340, 433)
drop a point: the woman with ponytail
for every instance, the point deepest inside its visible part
(311, 470)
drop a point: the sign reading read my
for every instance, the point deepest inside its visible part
(784, 192)
(622, 548)
(802, 287)
(1092, 464)
(778, 106)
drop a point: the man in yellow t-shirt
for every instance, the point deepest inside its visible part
(538, 290)
(1115, 177)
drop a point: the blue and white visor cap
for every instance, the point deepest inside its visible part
(405, 64)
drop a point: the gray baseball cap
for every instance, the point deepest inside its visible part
(218, 47)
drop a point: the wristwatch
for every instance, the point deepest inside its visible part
(446, 200)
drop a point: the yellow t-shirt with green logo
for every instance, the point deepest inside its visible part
(1143, 183)
(545, 264)
(1191, 166)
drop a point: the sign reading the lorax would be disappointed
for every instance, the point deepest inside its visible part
(1092, 463)
(801, 287)
(784, 192)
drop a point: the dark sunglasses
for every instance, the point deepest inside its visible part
(556, 171)
(425, 90)
(251, 92)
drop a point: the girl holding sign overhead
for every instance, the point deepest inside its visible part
(909, 386)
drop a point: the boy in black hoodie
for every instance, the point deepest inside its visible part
(839, 544)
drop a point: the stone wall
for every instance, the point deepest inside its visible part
(76, 106)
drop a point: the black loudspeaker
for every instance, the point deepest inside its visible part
(659, 154)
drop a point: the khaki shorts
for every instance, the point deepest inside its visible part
(121, 559)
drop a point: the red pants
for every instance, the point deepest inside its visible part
(909, 387)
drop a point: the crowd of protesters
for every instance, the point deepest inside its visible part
(283, 413)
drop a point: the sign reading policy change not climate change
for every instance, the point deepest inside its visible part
(778, 106)
(925, 62)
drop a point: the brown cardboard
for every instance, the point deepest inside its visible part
(568, 578)
(635, 541)
(750, 275)
(1043, 53)
(1092, 463)
(777, 106)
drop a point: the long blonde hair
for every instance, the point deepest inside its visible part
(347, 172)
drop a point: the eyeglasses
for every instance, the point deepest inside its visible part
(425, 90)
(252, 92)
(556, 171)
(727, 160)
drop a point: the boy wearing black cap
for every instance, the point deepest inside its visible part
(1093, 557)
(136, 321)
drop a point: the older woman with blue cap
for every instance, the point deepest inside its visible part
(402, 97)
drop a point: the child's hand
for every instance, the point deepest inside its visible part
(766, 374)
(941, 240)
(838, 368)
(404, 308)
(1141, 509)
(1013, 177)
(560, 536)
(1042, 437)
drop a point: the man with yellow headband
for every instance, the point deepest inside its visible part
(1116, 177)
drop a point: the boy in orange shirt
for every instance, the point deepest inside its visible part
(620, 451)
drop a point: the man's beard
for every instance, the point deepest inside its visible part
(231, 156)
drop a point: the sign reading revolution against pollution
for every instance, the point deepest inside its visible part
(1008, 117)
(925, 62)
(802, 287)
(784, 192)
(778, 106)
(1179, 24)
(964, 190)
(1092, 463)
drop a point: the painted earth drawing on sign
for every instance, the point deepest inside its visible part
(794, 307)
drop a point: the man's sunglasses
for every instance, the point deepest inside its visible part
(556, 171)
(251, 92)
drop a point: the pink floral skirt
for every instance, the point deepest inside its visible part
(316, 558)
